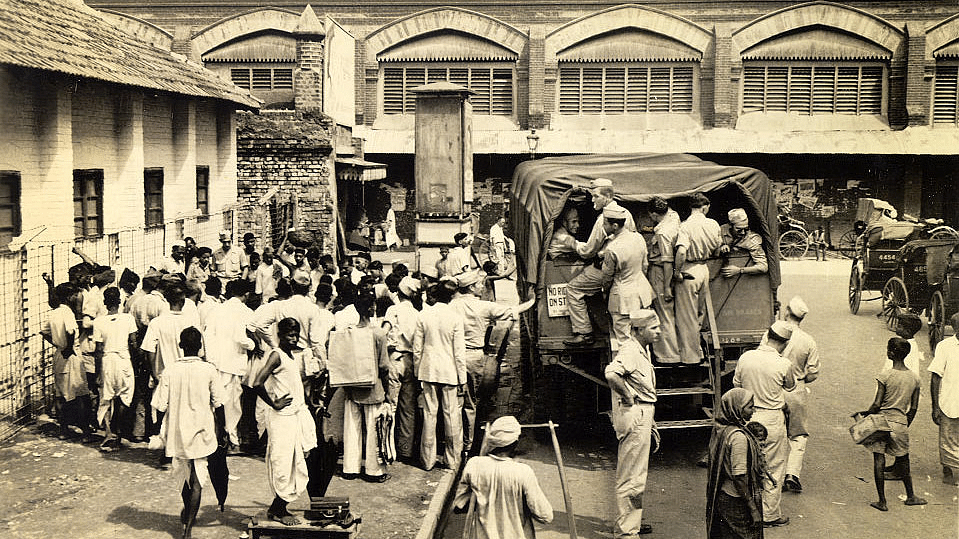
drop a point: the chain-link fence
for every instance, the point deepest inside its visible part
(26, 376)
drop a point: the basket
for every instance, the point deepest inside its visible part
(869, 428)
(300, 238)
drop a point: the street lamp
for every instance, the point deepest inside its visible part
(532, 140)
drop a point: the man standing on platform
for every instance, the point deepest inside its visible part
(632, 381)
(699, 238)
(624, 273)
(766, 373)
(590, 280)
(661, 248)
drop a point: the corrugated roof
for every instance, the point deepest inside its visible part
(817, 45)
(66, 36)
(447, 47)
(266, 48)
(630, 47)
(949, 51)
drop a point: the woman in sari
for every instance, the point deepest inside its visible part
(734, 488)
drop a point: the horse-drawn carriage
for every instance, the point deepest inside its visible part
(908, 262)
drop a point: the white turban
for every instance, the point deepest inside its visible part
(503, 432)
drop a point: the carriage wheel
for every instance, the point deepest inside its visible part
(937, 319)
(793, 245)
(895, 301)
(944, 233)
(855, 289)
(847, 244)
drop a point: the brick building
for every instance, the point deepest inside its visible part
(103, 133)
(832, 100)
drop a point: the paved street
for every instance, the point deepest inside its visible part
(838, 474)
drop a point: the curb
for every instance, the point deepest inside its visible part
(441, 497)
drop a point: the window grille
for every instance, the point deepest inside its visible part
(281, 217)
(493, 86)
(9, 206)
(153, 196)
(813, 89)
(88, 202)
(945, 100)
(626, 89)
(203, 189)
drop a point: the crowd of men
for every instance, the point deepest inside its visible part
(213, 349)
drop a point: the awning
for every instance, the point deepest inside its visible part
(817, 45)
(359, 170)
(630, 46)
(949, 51)
(268, 48)
(448, 47)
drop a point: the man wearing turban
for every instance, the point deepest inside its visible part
(507, 494)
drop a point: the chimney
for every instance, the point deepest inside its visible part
(310, 35)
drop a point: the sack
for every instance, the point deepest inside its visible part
(352, 357)
(869, 428)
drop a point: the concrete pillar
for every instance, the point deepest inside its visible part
(129, 133)
(55, 143)
(223, 180)
(310, 36)
(183, 177)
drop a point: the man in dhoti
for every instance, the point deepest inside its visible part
(944, 387)
(289, 425)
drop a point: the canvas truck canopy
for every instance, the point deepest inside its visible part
(541, 188)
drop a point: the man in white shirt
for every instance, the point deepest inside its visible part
(175, 263)
(478, 316)
(461, 257)
(228, 263)
(268, 274)
(944, 388)
(402, 318)
(662, 247)
(439, 363)
(72, 391)
(161, 343)
(699, 238)
(190, 394)
(766, 373)
(632, 381)
(803, 352)
(507, 496)
(115, 334)
(590, 280)
(314, 329)
(497, 242)
(227, 344)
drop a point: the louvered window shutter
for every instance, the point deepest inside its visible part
(569, 90)
(614, 88)
(946, 95)
(800, 90)
(393, 90)
(415, 76)
(682, 93)
(480, 83)
(501, 98)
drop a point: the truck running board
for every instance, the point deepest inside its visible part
(684, 424)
